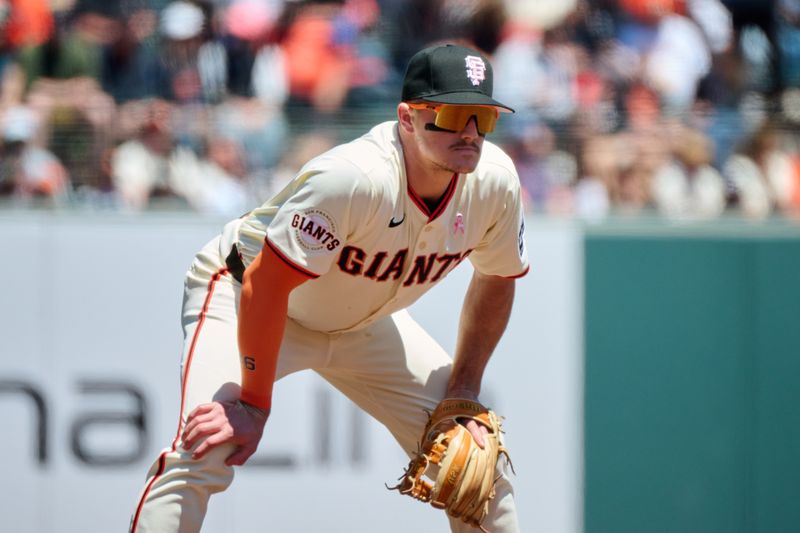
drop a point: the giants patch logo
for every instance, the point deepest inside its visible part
(315, 230)
(476, 69)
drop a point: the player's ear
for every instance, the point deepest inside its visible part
(404, 117)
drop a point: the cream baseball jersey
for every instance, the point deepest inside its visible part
(350, 221)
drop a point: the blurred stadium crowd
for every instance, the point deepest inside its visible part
(688, 108)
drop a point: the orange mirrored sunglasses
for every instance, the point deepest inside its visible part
(454, 118)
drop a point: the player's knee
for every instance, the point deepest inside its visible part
(209, 471)
(211, 468)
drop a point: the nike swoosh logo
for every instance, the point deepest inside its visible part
(394, 223)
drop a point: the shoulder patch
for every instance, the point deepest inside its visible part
(315, 230)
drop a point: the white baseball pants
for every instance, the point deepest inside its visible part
(392, 369)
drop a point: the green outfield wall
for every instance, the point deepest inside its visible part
(692, 379)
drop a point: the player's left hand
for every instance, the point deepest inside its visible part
(465, 482)
(219, 423)
(477, 430)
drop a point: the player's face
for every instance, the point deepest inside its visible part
(453, 150)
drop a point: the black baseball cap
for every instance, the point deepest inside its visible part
(450, 74)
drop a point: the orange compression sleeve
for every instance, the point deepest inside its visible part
(263, 305)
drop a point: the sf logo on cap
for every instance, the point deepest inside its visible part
(476, 69)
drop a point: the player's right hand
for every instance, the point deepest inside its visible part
(219, 423)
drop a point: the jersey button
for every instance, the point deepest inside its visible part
(428, 228)
(422, 246)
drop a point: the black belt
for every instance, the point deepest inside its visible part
(235, 264)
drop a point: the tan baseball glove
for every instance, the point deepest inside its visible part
(465, 481)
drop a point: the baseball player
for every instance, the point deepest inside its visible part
(319, 278)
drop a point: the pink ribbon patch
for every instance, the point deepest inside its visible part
(458, 225)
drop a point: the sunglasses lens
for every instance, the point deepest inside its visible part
(456, 117)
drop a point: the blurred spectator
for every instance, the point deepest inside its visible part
(63, 89)
(764, 175)
(131, 68)
(478, 22)
(717, 105)
(688, 187)
(518, 69)
(260, 129)
(648, 11)
(642, 149)
(553, 72)
(332, 56)
(787, 16)
(546, 173)
(599, 176)
(269, 77)
(217, 183)
(154, 170)
(194, 60)
(672, 51)
(29, 171)
(79, 117)
(754, 26)
(591, 199)
(549, 66)
(139, 166)
(12, 85)
(302, 147)
(715, 21)
(26, 22)
(633, 192)
(414, 24)
(319, 68)
(249, 27)
(617, 169)
(73, 50)
(676, 61)
(372, 76)
(543, 14)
